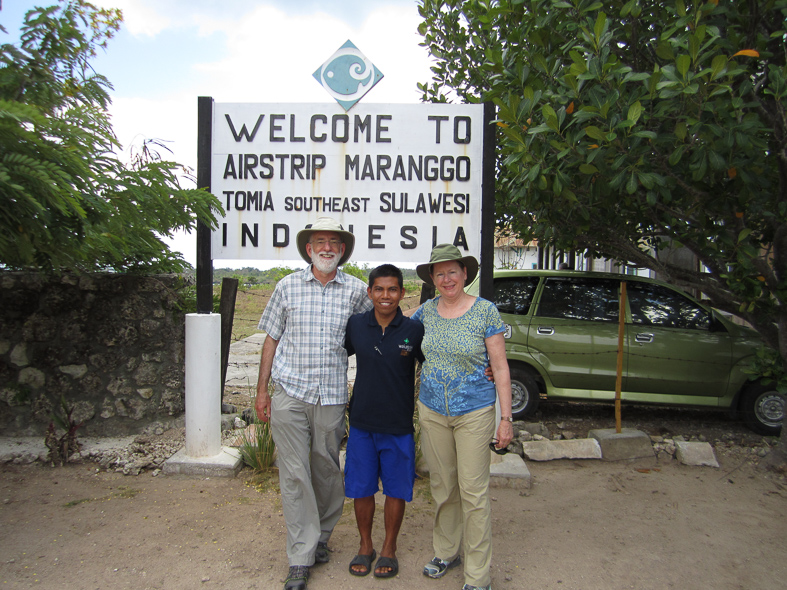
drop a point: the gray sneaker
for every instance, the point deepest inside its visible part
(321, 554)
(437, 567)
(469, 587)
(297, 578)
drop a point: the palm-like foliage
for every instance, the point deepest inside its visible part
(66, 199)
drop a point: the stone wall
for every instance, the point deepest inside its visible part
(112, 345)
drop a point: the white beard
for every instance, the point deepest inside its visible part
(325, 265)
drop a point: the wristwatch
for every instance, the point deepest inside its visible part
(507, 418)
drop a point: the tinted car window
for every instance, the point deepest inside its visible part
(515, 294)
(653, 305)
(580, 298)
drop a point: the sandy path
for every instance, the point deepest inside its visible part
(584, 525)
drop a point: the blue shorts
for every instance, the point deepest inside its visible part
(375, 455)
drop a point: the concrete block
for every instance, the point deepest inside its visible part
(630, 443)
(548, 450)
(226, 464)
(509, 471)
(696, 453)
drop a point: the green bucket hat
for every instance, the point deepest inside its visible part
(447, 253)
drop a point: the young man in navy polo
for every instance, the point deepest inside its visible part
(381, 445)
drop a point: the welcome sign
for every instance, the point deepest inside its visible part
(401, 178)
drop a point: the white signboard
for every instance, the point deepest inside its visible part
(400, 177)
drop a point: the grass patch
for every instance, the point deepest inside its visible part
(257, 448)
(123, 492)
(78, 502)
(249, 305)
(264, 481)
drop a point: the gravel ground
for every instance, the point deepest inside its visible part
(112, 520)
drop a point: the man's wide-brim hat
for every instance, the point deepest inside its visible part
(447, 253)
(325, 224)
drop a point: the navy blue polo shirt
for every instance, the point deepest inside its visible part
(383, 398)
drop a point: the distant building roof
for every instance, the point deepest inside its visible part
(508, 241)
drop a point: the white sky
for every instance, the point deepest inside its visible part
(169, 52)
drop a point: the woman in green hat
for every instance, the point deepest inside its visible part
(463, 334)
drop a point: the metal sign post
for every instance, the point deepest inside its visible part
(487, 259)
(204, 256)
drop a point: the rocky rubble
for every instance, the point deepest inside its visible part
(147, 452)
(748, 447)
(144, 453)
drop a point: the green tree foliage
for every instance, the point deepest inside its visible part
(633, 127)
(277, 273)
(67, 202)
(360, 273)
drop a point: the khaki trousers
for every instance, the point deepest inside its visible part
(307, 438)
(456, 449)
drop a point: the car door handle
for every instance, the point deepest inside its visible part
(545, 330)
(643, 338)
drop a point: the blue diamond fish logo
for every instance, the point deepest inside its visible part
(348, 75)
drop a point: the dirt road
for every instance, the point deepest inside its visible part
(584, 525)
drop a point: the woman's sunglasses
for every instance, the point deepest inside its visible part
(494, 449)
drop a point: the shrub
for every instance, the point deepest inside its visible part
(257, 448)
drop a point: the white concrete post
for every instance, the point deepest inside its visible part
(203, 385)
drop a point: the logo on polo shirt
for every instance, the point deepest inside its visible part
(406, 347)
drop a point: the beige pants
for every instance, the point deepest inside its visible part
(456, 449)
(307, 438)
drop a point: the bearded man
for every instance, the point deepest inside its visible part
(304, 354)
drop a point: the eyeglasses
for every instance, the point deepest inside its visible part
(334, 243)
(494, 449)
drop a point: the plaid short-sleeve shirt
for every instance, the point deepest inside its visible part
(309, 321)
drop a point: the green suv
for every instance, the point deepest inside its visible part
(562, 341)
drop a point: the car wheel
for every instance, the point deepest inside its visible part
(763, 409)
(524, 393)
